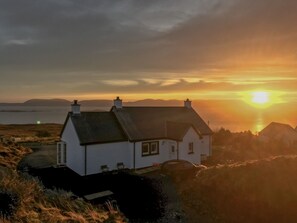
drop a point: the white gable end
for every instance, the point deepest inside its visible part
(191, 147)
(75, 152)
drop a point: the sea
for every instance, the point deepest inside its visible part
(12, 114)
(38, 114)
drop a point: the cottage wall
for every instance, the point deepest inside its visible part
(165, 153)
(198, 144)
(109, 154)
(206, 145)
(75, 152)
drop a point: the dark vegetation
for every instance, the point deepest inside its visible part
(246, 180)
(237, 147)
(43, 133)
(8, 204)
(136, 196)
(255, 191)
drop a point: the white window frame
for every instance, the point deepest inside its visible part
(151, 151)
(147, 145)
(61, 153)
(154, 148)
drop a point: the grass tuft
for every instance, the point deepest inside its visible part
(27, 201)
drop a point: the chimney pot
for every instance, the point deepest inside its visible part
(188, 103)
(75, 108)
(118, 102)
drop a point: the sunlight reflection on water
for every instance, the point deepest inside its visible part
(259, 125)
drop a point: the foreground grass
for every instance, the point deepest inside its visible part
(11, 154)
(253, 191)
(33, 203)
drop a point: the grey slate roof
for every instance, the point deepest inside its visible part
(137, 124)
(97, 127)
(177, 130)
(144, 123)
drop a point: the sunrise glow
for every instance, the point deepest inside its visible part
(260, 97)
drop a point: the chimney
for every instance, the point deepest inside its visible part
(75, 108)
(117, 102)
(187, 103)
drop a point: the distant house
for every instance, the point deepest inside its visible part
(131, 137)
(279, 131)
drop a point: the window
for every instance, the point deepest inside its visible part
(64, 154)
(154, 148)
(150, 148)
(145, 149)
(191, 148)
(172, 149)
(59, 159)
(61, 153)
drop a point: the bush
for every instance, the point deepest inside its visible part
(254, 191)
(42, 134)
(8, 204)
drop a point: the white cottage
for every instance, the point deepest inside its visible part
(131, 137)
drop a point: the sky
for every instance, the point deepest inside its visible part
(136, 49)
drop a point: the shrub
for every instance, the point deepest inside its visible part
(254, 191)
(43, 133)
(8, 204)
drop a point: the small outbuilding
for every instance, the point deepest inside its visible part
(279, 131)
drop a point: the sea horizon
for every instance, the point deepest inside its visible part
(11, 114)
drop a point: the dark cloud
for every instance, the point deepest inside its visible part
(55, 42)
(248, 33)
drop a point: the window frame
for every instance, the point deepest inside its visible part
(150, 146)
(65, 153)
(61, 153)
(156, 148)
(191, 148)
(172, 149)
(146, 153)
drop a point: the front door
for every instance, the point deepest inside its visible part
(172, 151)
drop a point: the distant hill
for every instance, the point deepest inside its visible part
(154, 102)
(96, 103)
(47, 102)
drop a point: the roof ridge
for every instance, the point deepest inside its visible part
(153, 107)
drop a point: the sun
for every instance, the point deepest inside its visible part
(260, 97)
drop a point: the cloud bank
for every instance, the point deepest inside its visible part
(67, 47)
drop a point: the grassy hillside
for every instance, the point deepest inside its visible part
(32, 132)
(24, 199)
(254, 191)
